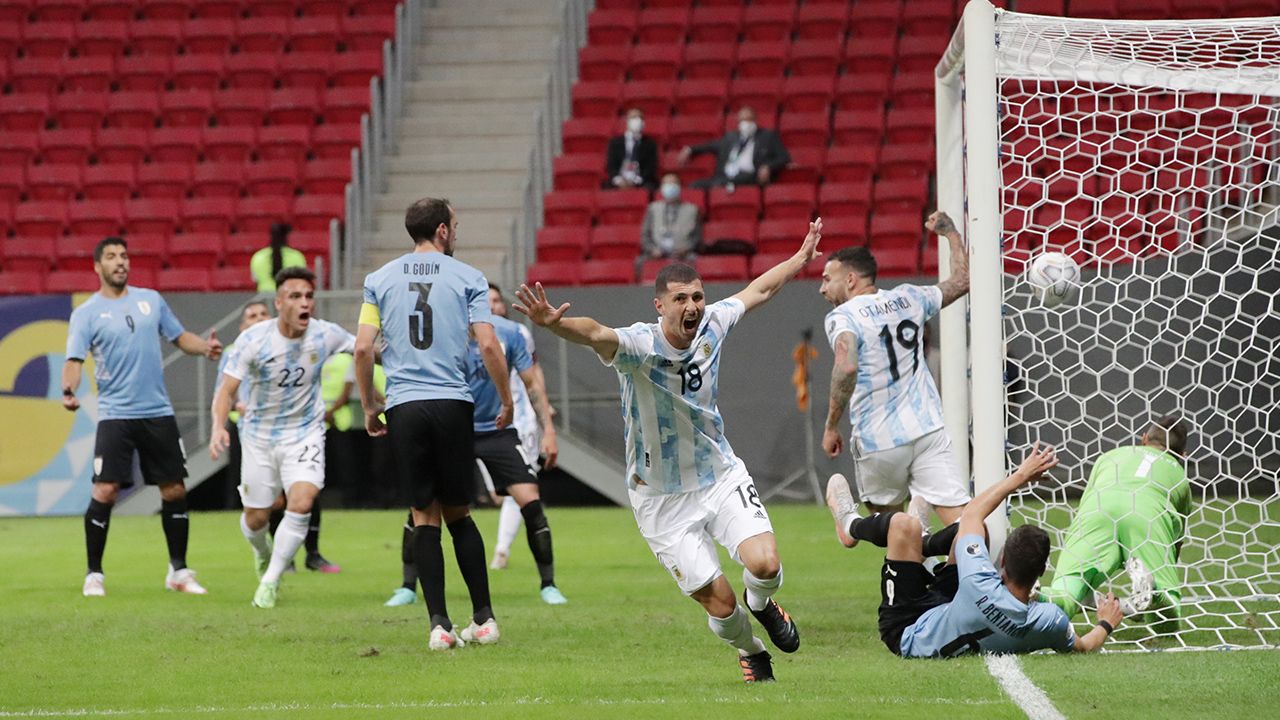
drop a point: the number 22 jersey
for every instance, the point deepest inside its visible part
(895, 400)
(674, 433)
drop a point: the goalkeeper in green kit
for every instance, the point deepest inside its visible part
(1133, 514)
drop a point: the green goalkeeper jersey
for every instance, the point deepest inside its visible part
(1139, 479)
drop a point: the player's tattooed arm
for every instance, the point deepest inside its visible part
(844, 378)
(535, 384)
(957, 283)
(533, 303)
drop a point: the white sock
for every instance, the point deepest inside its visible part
(760, 590)
(289, 537)
(257, 538)
(736, 630)
(509, 521)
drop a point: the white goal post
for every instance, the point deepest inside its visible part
(1149, 152)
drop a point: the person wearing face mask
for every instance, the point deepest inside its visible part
(749, 155)
(632, 158)
(671, 227)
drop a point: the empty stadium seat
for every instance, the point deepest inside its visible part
(615, 242)
(557, 244)
(608, 272)
(723, 268)
(550, 274)
(607, 63)
(615, 207)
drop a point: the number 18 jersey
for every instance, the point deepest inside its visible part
(425, 304)
(895, 400)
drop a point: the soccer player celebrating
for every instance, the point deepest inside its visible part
(282, 432)
(880, 379)
(119, 325)
(1133, 513)
(971, 604)
(687, 487)
(426, 304)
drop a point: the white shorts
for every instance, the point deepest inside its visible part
(924, 467)
(681, 527)
(267, 469)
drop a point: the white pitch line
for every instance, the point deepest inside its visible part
(1025, 694)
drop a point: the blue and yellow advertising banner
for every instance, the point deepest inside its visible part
(46, 452)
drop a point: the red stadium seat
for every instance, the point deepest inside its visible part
(17, 148)
(12, 186)
(569, 208)
(240, 106)
(334, 140)
(23, 111)
(907, 195)
(251, 70)
(615, 242)
(108, 182)
(290, 142)
(367, 32)
(614, 207)
(611, 27)
(556, 244)
(756, 92)
(606, 63)
(29, 254)
(822, 20)
(217, 8)
(874, 18)
(897, 261)
(165, 9)
(554, 274)
(762, 59)
(186, 108)
(95, 217)
(353, 69)
(870, 56)
(21, 283)
(908, 125)
(906, 161)
(39, 219)
(66, 282)
(713, 61)
(273, 177)
(663, 25)
(183, 280)
(262, 34)
(651, 96)
(122, 145)
(66, 145)
(293, 106)
(807, 94)
(326, 177)
(723, 268)
(217, 180)
(596, 99)
(258, 214)
(844, 199)
(816, 57)
(57, 10)
(314, 212)
(587, 135)
(227, 144)
(697, 96)
(914, 91)
(232, 278)
(146, 73)
(896, 229)
(789, 201)
(88, 74)
(741, 204)
(608, 272)
(715, 24)
(208, 214)
(212, 36)
(163, 180)
(53, 181)
(159, 36)
(692, 130)
(84, 110)
(195, 250)
(131, 110)
(1043, 7)
(578, 172)
(805, 129)
(198, 72)
(762, 22)
(724, 236)
(308, 71)
(314, 34)
(805, 168)
(175, 144)
(48, 39)
(656, 62)
(40, 75)
(110, 10)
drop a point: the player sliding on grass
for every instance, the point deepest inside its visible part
(282, 432)
(686, 485)
(970, 604)
(1133, 513)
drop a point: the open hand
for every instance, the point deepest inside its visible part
(1039, 460)
(809, 248)
(219, 440)
(534, 304)
(1109, 610)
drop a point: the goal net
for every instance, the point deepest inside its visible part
(1149, 152)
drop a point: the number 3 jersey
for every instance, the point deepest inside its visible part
(674, 433)
(283, 403)
(895, 400)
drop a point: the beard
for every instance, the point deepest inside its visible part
(110, 279)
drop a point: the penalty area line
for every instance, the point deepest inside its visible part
(1025, 694)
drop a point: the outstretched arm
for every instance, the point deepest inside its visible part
(957, 284)
(192, 344)
(767, 285)
(578, 330)
(844, 378)
(1039, 460)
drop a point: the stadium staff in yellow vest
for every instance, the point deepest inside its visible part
(270, 260)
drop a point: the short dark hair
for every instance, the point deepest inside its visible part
(106, 242)
(858, 259)
(423, 217)
(1026, 551)
(253, 302)
(295, 273)
(1170, 432)
(673, 273)
(494, 286)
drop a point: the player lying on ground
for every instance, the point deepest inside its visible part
(970, 604)
(688, 489)
(1133, 514)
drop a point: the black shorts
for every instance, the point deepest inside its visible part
(433, 443)
(500, 454)
(159, 446)
(907, 591)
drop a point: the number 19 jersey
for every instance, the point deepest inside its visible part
(425, 304)
(895, 400)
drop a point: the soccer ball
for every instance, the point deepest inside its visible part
(1054, 278)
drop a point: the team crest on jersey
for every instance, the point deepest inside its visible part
(974, 548)
(676, 572)
(144, 307)
(706, 349)
(315, 358)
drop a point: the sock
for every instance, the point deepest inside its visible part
(257, 538)
(509, 519)
(173, 518)
(759, 590)
(312, 543)
(468, 548)
(873, 529)
(429, 557)
(289, 537)
(939, 543)
(97, 518)
(408, 568)
(274, 523)
(539, 533)
(736, 630)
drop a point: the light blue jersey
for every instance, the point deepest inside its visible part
(426, 303)
(283, 402)
(895, 401)
(984, 616)
(483, 391)
(123, 336)
(674, 433)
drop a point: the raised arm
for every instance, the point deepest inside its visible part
(578, 330)
(763, 288)
(535, 384)
(957, 284)
(192, 344)
(1039, 460)
(224, 398)
(365, 335)
(844, 378)
(495, 361)
(71, 370)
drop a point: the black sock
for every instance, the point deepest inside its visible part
(312, 543)
(173, 518)
(429, 557)
(97, 518)
(406, 556)
(939, 543)
(468, 548)
(873, 529)
(274, 522)
(539, 534)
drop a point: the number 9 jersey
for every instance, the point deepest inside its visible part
(895, 400)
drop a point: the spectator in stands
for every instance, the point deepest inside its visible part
(632, 158)
(269, 261)
(671, 227)
(750, 155)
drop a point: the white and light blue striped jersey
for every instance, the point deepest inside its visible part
(524, 419)
(674, 433)
(123, 334)
(426, 304)
(895, 400)
(483, 391)
(283, 403)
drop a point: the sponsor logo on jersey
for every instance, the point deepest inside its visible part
(760, 515)
(144, 307)
(974, 548)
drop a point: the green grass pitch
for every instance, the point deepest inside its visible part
(627, 645)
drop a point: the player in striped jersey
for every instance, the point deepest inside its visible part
(282, 431)
(688, 489)
(880, 378)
